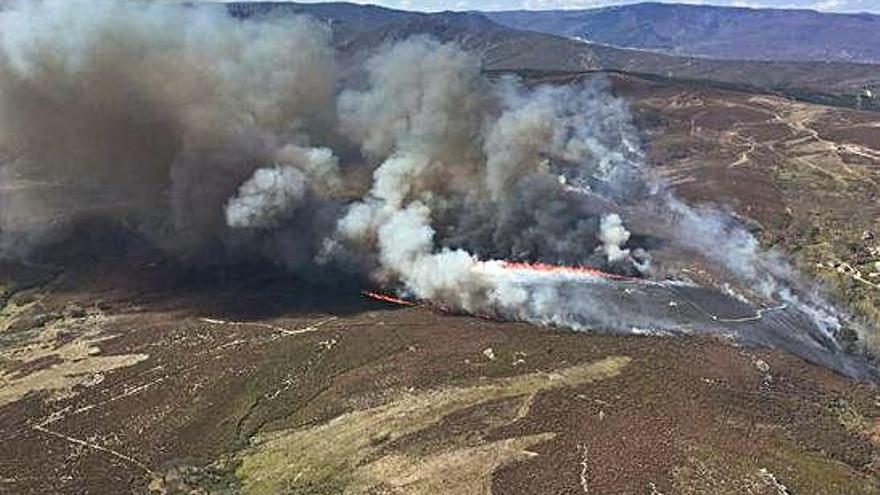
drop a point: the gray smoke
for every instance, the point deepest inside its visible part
(208, 133)
(467, 170)
(266, 197)
(147, 113)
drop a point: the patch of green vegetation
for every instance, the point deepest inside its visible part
(7, 365)
(849, 417)
(314, 368)
(832, 251)
(217, 479)
(868, 305)
(243, 403)
(12, 321)
(847, 100)
(808, 472)
(712, 471)
(327, 457)
(780, 468)
(862, 300)
(5, 294)
(9, 309)
(849, 338)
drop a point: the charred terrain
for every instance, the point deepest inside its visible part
(128, 366)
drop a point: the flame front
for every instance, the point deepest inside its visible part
(560, 269)
(509, 266)
(386, 298)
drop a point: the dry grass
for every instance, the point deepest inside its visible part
(57, 357)
(347, 454)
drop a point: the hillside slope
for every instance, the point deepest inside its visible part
(358, 29)
(717, 32)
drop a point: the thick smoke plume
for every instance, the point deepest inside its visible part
(220, 138)
(148, 113)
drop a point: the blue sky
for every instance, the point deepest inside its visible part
(429, 5)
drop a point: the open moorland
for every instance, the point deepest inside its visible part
(134, 375)
(181, 387)
(126, 370)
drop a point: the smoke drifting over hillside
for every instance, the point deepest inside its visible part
(149, 113)
(226, 139)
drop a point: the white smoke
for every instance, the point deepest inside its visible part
(614, 235)
(720, 238)
(274, 192)
(451, 147)
(264, 198)
(406, 247)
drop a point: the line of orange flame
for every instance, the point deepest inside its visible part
(548, 268)
(386, 298)
(511, 265)
(436, 307)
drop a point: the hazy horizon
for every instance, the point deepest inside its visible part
(834, 6)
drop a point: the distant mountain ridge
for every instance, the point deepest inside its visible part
(359, 29)
(712, 31)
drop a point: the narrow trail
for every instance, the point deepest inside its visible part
(307, 329)
(96, 447)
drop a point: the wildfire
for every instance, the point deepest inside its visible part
(427, 304)
(561, 269)
(386, 298)
(544, 268)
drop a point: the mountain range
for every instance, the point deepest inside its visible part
(715, 32)
(671, 41)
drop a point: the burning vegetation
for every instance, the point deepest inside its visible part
(220, 141)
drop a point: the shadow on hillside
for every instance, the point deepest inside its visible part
(105, 261)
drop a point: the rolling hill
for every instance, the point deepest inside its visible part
(715, 32)
(360, 28)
